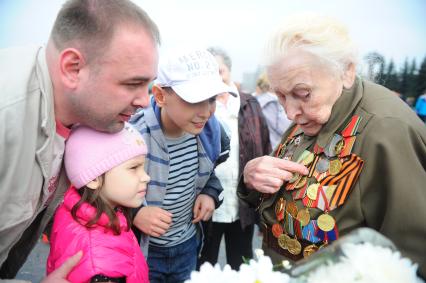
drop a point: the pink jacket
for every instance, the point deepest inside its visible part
(103, 252)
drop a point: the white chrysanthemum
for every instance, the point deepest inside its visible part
(256, 271)
(365, 263)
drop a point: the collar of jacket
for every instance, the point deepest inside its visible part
(341, 112)
(42, 73)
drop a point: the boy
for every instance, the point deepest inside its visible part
(183, 139)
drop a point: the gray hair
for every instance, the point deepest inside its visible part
(91, 23)
(319, 35)
(217, 51)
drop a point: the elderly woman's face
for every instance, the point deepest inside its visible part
(306, 89)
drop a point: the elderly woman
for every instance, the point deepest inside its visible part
(355, 155)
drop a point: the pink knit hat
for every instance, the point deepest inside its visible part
(89, 153)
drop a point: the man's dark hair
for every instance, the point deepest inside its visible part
(90, 24)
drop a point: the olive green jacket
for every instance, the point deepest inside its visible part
(390, 193)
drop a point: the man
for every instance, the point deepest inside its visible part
(96, 69)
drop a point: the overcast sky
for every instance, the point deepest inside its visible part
(394, 28)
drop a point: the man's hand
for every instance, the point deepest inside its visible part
(152, 220)
(59, 275)
(203, 208)
(267, 174)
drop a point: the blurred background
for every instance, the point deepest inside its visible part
(390, 34)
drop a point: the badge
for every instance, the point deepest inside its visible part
(298, 140)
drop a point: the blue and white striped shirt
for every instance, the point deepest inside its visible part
(180, 190)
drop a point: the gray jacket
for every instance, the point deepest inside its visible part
(28, 146)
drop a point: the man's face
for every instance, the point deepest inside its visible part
(114, 85)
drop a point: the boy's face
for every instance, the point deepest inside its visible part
(178, 116)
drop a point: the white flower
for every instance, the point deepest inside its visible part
(366, 263)
(256, 271)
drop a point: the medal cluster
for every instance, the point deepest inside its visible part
(333, 170)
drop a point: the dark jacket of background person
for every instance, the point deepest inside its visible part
(390, 194)
(253, 142)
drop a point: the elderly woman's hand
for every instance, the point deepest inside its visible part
(267, 174)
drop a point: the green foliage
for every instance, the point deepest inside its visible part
(409, 80)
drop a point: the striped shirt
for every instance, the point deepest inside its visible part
(180, 190)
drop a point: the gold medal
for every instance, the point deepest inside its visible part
(326, 222)
(277, 230)
(312, 191)
(282, 241)
(303, 216)
(335, 167)
(294, 246)
(292, 208)
(308, 250)
(301, 182)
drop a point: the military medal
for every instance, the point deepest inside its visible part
(335, 167)
(312, 191)
(279, 205)
(306, 158)
(339, 146)
(291, 208)
(282, 241)
(294, 246)
(303, 216)
(326, 222)
(294, 178)
(301, 182)
(308, 250)
(322, 165)
(277, 230)
(329, 149)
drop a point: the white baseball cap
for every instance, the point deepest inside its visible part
(193, 75)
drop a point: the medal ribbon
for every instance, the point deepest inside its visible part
(352, 126)
(308, 232)
(344, 180)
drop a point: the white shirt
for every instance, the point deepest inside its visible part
(227, 172)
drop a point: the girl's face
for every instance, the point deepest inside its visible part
(126, 184)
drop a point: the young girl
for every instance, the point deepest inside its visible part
(107, 179)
